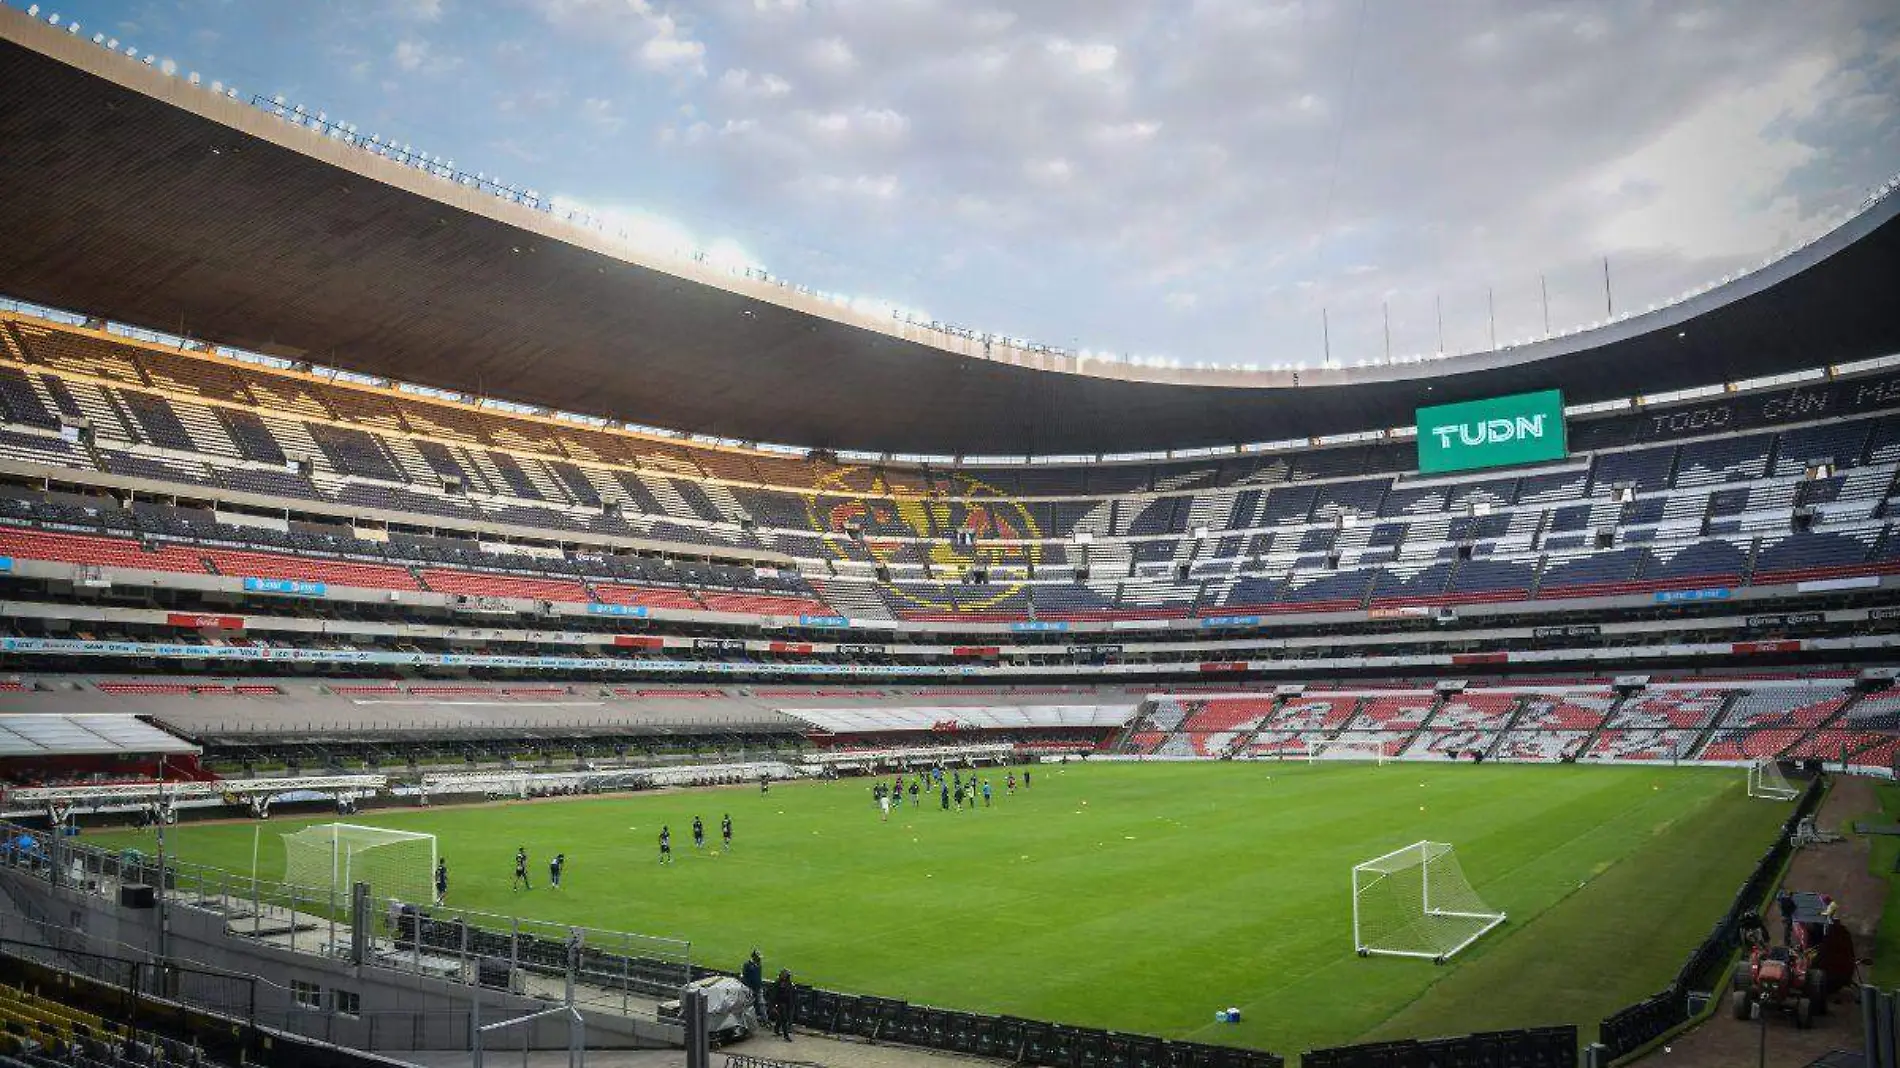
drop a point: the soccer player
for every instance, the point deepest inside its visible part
(699, 834)
(441, 880)
(1025, 778)
(554, 870)
(946, 795)
(765, 784)
(666, 844)
(521, 869)
(1010, 783)
(725, 830)
(883, 807)
(986, 793)
(913, 793)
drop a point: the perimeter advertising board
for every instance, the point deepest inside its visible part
(1525, 428)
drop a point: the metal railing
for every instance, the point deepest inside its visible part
(616, 972)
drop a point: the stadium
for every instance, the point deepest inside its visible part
(436, 629)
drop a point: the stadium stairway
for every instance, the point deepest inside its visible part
(1808, 745)
(1439, 701)
(1609, 715)
(1127, 733)
(1244, 742)
(1708, 729)
(1510, 724)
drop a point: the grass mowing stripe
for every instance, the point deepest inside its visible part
(1611, 942)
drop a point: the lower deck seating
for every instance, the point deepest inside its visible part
(1641, 745)
(26, 544)
(245, 564)
(1540, 745)
(480, 584)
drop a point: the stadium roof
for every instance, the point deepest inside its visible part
(53, 735)
(135, 196)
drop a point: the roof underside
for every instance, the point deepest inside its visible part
(121, 205)
(54, 735)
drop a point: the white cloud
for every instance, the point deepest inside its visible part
(1713, 183)
(418, 10)
(1214, 157)
(1050, 171)
(655, 39)
(416, 56)
(669, 52)
(874, 187)
(832, 55)
(1086, 58)
(879, 123)
(1133, 132)
(740, 82)
(599, 113)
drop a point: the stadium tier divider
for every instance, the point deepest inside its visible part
(1637, 1026)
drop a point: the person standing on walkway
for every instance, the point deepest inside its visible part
(784, 1004)
(752, 974)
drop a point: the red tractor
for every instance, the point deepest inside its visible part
(1779, 978)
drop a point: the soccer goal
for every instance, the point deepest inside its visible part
(1346, 749)
(1415, 902)
(334, 856)
(1766, 781)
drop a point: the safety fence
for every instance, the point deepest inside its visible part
(1532, 1047)
(601, 969)
(1636, 1026)
(1024, 1042)
(169, 1013)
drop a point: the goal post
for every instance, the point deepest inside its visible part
(1766, 781)
(332, 857)
(1416, 902)
(1364, 749)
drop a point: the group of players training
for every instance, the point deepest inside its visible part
(954, 790)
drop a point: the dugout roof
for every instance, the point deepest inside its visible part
(134, 196)
(55, 735)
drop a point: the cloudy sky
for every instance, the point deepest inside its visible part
(1188, 179)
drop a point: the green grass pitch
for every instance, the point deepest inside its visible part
(1140, 898)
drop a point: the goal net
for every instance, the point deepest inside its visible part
(1365, 749)
(1415, 902)
(333, 856)
(1765, 780)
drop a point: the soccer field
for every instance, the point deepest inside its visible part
(1138, 897)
